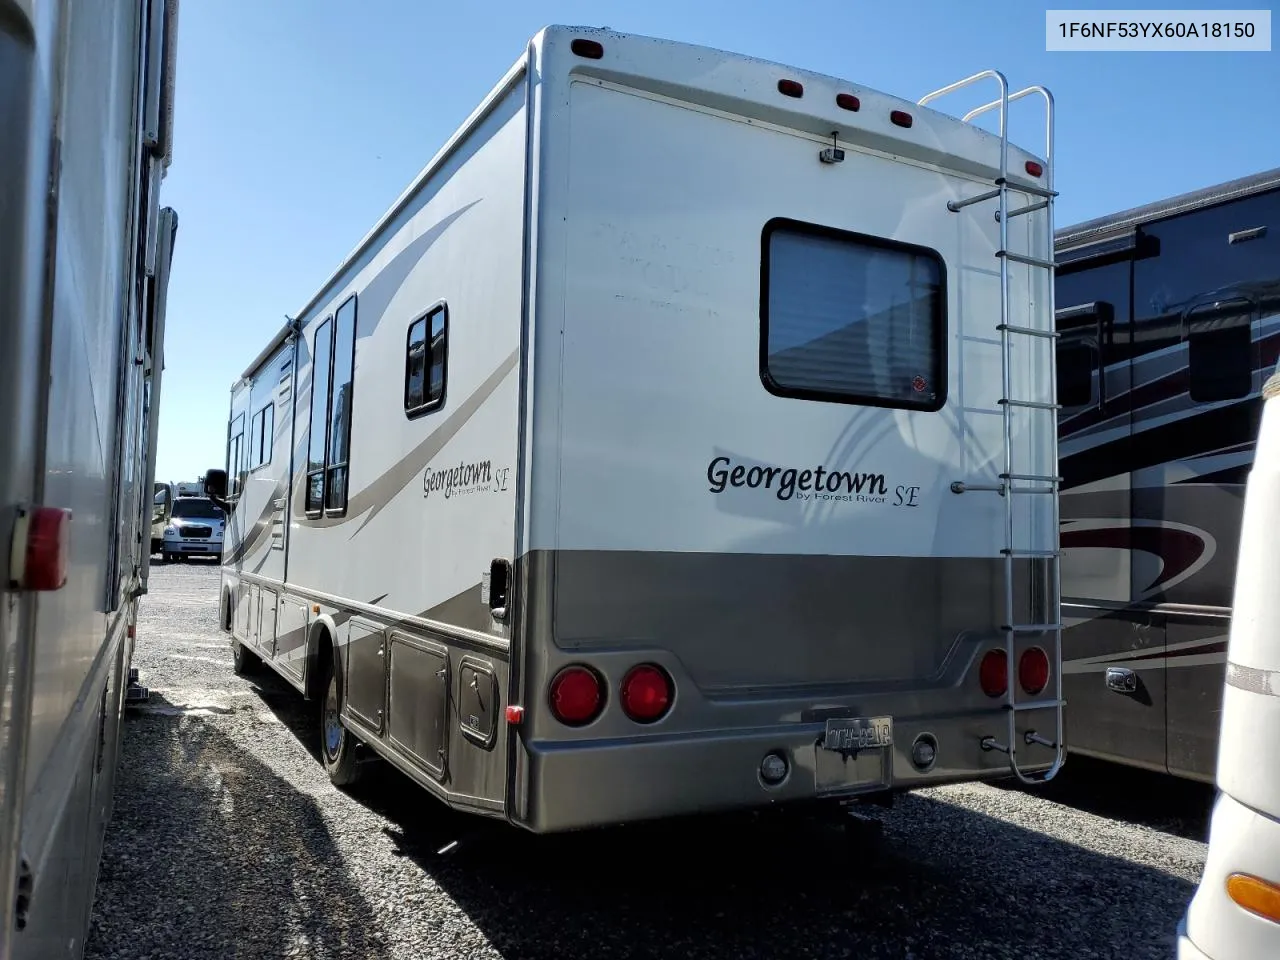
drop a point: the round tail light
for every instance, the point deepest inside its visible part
(1033, 670)
(646, 693)
(993, 673)
(576, 696)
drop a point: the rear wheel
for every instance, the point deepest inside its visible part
(243, 660)
(337, 745)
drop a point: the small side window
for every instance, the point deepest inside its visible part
(1081, 330)
(426, 354)
(1220, 350)
(235, 455)
(261, 432)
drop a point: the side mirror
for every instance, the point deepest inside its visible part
(215, 488)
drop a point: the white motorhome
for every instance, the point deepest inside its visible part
(650, 455)
(1235, 912)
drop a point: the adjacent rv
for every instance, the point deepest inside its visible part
(86, 92)
(682, 439)
(1169, 317)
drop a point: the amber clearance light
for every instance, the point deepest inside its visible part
(1255, 895)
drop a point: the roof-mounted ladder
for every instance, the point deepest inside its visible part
(1015, 484)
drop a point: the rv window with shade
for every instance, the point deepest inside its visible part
(425, 353)
(1220, 351)
(851, 319)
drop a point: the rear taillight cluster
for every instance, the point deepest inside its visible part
(1033, 672)
(577, 694)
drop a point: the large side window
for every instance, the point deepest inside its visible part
(426, 355)
(852, 318)
(317, 439)
(344, 346)
(1220, 350)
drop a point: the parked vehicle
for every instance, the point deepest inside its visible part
(1179, 303)
(1235, 912)
(644, 458)
(193, 527)
(86, 92)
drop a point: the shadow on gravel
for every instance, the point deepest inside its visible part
(248, 863)
(1156, 800)
(945, 882)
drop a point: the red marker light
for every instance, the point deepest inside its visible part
(576, 696)
(646, 693)
(1034, 168)
(993, 673)
(48, 546)
(901, 118)
(515, 714)
(848, 101)
(790, 88)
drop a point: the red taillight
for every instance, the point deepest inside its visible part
(901, 118)
(1033, 670)
(993, 673)
(790, 88)
(645, 693)
(48, 543)
(1034, 168)
(576, 696)
(587, 48)
(848, 101)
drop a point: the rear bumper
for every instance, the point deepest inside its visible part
(1241, 840)
(590, 783)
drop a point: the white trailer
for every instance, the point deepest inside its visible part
(86, 101)
(649, 455)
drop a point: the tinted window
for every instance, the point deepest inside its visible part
(261, 435)
(852, 318)
(340, 406)
(321, 352)
(196, 507)
(1220, 351)
(425, 358)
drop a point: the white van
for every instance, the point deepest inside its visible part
(1235, 912)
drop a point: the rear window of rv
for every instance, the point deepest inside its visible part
(851, 318)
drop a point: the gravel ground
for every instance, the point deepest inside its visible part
(229, 841)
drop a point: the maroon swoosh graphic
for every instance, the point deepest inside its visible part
(1179, 549)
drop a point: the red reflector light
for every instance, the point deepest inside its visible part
(790, 88)
(515, 714)
(993, 673)
(48, 543)
(1033, 670)
(576, 696)
(901, 118)
(1034, 168)
(646, 693)
(848, 101)
(587, 48)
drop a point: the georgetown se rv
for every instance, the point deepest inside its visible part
(1179, 303)
(86, 92)
(647, 457)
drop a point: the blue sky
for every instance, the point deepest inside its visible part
(298, 122)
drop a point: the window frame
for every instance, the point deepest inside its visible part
(938, 324)
(421, 410)
(329, 467)
(235, 441)
(260, 454)
(1191, 339)
(327, 326)
(1098, 318)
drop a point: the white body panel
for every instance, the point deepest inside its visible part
(1244, 835)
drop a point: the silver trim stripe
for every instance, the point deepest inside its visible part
(1254, 680)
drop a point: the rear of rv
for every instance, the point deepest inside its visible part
(763, 543)
(1236, 908)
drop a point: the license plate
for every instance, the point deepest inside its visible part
(858, 733)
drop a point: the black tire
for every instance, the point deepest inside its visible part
(243, 660)
(337, 744)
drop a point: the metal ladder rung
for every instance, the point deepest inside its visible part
(1030, 705)
(1030, 554)
(1030, 404)
(955, 206)
(1026, 188)
(1030, 331)
(1029, 261)
(1032, 627)
(1030, 476)
(1029, 208)
(1030, 490)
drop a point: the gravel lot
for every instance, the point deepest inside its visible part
(228, 841)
